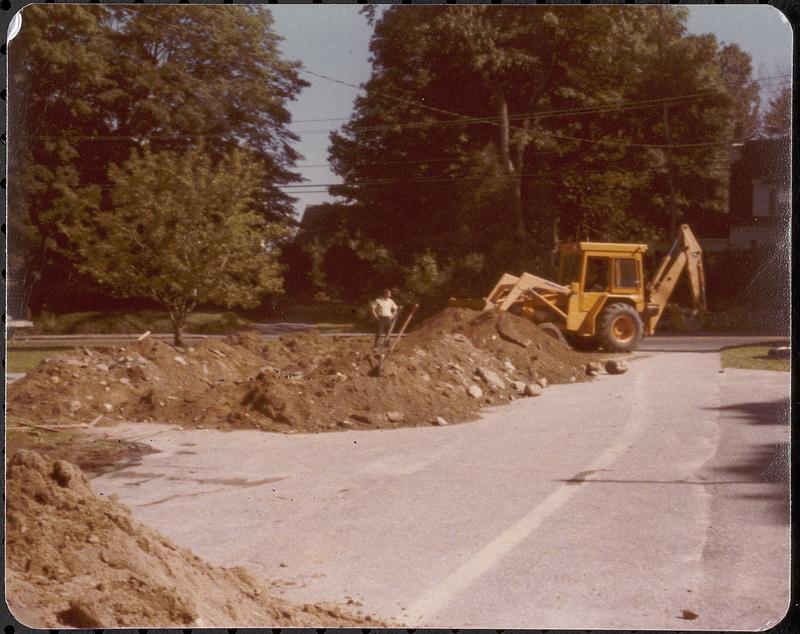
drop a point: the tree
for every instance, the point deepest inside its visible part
(778, 117)
(500, 131)
(179, 230)
(90, 84)
(737, 73)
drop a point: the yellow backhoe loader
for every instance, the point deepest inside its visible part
(601, 300)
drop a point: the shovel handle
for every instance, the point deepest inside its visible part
(405, 324)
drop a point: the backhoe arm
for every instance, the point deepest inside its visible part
(685, 253)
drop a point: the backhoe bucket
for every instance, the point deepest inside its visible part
(686, 319)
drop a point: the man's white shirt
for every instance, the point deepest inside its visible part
(384, 307)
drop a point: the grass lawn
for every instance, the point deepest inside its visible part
(25, 359)
(752, 358)
(136, 322)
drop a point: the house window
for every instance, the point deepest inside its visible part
(773, 202)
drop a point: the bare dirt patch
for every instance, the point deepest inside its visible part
(94, 454)
(302, 382)
(76, 559)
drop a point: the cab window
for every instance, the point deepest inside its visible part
(597, 270)
(626, 273)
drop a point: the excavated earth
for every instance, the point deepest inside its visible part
(447, 369)
(76, 559)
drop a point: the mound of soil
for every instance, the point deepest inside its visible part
(302, 382)
(75, 559)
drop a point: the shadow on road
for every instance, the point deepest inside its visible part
(760, 412)
(767, 463)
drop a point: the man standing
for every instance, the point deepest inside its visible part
(384, 311)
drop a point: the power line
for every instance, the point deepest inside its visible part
(459, 119)
(318, 188)
(611, 106)
(461, 179)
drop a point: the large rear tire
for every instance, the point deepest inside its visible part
(621, 328)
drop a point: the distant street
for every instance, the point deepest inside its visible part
(705, 342)
(653, 500)
(690, 342)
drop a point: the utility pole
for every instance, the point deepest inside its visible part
(673, 225)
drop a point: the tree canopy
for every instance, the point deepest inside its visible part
(90, 84)
(179, 229)
(778, 117)
(488, 134)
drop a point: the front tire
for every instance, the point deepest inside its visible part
(621, 328)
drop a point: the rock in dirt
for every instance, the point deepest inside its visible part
(506, 328)
(439, 421)
(475, 391)
(616, 366)
(519, 386)
(75, 559)
(593, 368)
(364, 417)
(491, 377)
(395, 417)
(532, 389)
(541, 382)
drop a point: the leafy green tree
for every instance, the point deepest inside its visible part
(179, 230)
(501, 131)
(737, 73)
(89, 84)
(778, 117)
(682, 144)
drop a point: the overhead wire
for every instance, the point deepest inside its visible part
(491, 121)
(459, 119)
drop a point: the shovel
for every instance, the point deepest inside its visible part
(403, 329)
(385, 344)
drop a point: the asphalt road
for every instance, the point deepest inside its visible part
(653, 500)
(705, 342)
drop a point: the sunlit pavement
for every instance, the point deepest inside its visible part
(653, 500)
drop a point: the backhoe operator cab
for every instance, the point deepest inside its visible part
(606, 281)
(601, 299)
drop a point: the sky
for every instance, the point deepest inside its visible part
(333, 40)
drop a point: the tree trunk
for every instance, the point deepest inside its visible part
(177, 317)
(513, 173)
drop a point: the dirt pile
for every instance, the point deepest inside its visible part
(75, 559)
(452, 365)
